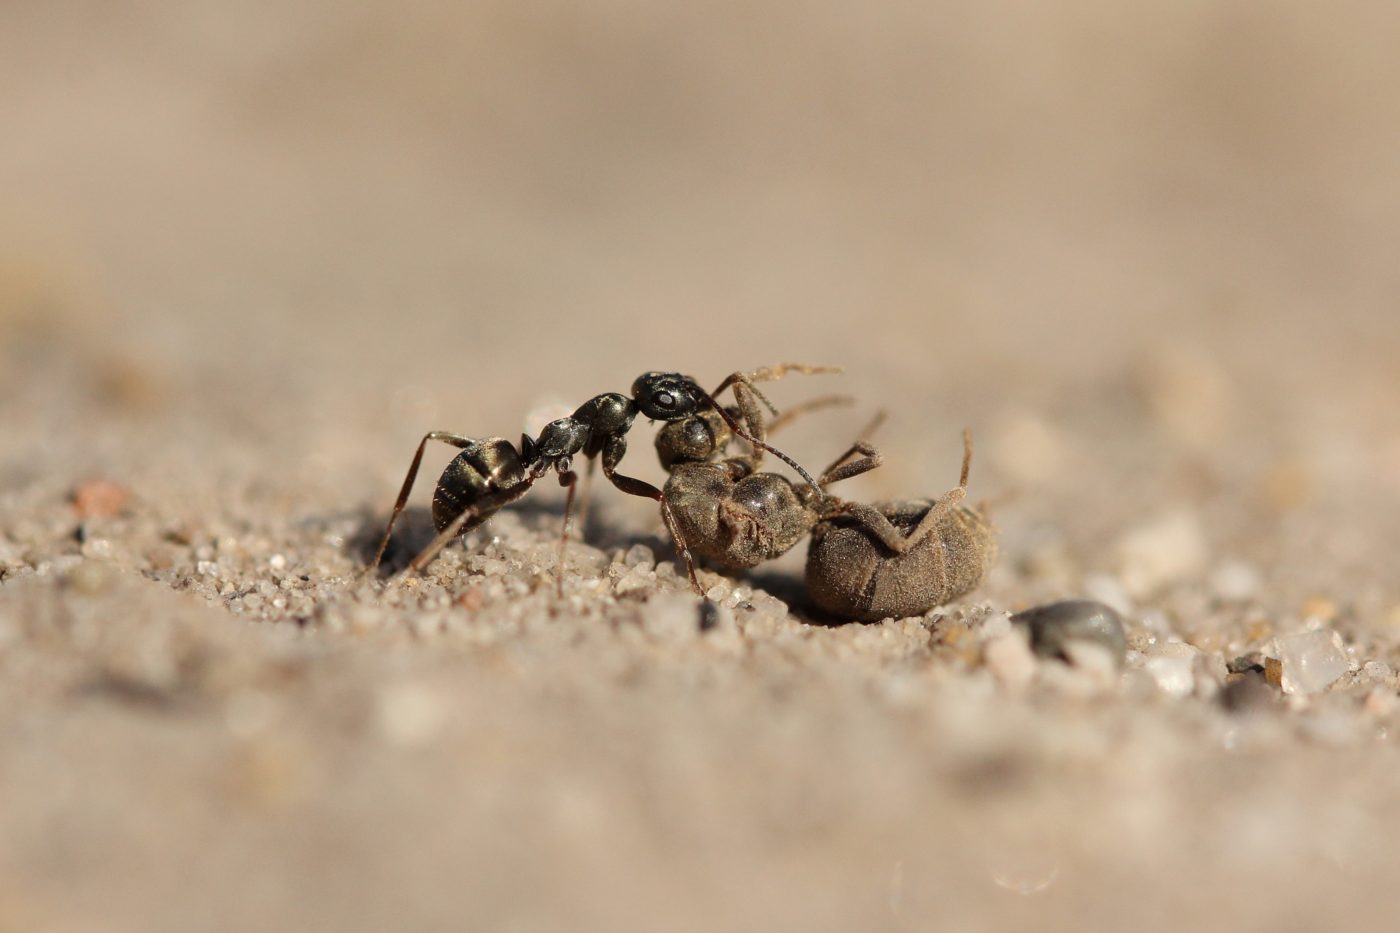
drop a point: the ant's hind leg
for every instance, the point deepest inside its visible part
(443, 538)
(894, 540)
(880, 526)
(484, 508)
(447, 437)
(843, 467)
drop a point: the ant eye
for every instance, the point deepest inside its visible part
(666, 400)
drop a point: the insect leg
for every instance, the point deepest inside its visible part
(569, 480)
(447, 437)
(487, 506)
(585, 498)
(843, 467)
(941, 506)
(791, 414)
(613, 450)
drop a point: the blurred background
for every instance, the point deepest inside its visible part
(324, 229)
(250, 252)
(499, 201)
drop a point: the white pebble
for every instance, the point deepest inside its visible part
(1172, 666)
(993, 625)
(1376, 671)
(1312, 661)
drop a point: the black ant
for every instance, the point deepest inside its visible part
(491, 472)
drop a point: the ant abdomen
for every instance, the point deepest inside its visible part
(734, 519)
(851, 573)
(485, 467)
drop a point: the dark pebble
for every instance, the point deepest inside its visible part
(1055, 625)
(1248, 693)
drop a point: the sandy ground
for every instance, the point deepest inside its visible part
(249, 255)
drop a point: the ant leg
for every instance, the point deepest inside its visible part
(844, 468)
(803, 408)
(757, 444)
(889, 536)
(613, 450)
(443, 538)
(569, 480)
(894, 540)
(773, 373)
(488, 506)
(585, 498)
(447, 437)
(748, 396)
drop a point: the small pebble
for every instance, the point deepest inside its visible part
(1248, 693)
(1376, 671)
(1055, 627)
(99, 498)
(709, 615)
(638, 555)
(1311, 661)
(1247, 663)
(1172, 665)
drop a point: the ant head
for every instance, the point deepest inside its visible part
(668, 396)
(692, 440)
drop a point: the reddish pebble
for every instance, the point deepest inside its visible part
(99, 498)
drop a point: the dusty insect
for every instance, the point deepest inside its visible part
(733, 515)
(895, 559)
(491, 472)
(864, 561)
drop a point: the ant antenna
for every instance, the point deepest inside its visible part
(735, 427)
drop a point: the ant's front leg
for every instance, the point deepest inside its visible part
(613, 450)
(569, 480)
(748, 396)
